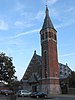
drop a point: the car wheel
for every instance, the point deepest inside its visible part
(45, 96)
(6, 94)
(22, 95)
(37, 96)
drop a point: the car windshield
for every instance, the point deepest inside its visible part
(23, 91)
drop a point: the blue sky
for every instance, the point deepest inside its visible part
(20, 24)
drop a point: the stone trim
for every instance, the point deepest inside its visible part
(50, 78)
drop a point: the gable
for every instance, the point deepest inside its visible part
(35, 66)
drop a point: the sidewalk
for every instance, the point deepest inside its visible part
(61, 95)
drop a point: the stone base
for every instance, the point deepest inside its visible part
(51, 89)
(55, 89)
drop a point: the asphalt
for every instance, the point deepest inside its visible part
(52, 97)
(61, 97)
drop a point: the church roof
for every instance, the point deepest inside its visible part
(38, 57)
(34, 66)
(34, 70)
(33, 78)
(47, 21)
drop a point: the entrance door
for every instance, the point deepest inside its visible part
(34, 88)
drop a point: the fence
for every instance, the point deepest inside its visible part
(71, 91)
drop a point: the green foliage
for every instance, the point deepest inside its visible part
(7, 70)
(71, 80)
(15, 85)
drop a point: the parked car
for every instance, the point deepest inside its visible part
(23, 93)
(38, 94)
(33, 94)
(7, 92)
(0, 91)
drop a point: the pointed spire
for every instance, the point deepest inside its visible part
(47, 21)
(46, 10)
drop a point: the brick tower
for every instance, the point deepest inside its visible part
(50, 80)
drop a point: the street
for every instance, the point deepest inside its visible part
(60, 97)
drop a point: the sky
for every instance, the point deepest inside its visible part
(20, 25)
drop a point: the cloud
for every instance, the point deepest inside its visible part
(19, 6)
(69, 44)
(23, 24)
(69, 10)
(11, 41)
(54, 13)
(19, 24)
(50, 1)
(39, 15)
(10, 38)
(28, 32)
(65, 55)
(3, 25)
(62, 25)
(70, 22)
(29, 25)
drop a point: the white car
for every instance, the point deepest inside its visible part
(23, 93)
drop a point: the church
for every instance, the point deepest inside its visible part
(43, 72)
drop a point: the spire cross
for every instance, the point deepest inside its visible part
(46, 2)
(46, 7)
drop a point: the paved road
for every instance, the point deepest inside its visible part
(65, 97)
(62, 97)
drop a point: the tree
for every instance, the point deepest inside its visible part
(15, 85)
(7, 70)
(71, 80)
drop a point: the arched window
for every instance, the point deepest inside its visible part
(46, 35)
(45, 62)
(55, 37)
(45, 58)
(50, 35)
(42, 36)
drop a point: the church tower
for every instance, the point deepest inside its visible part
(50, 80)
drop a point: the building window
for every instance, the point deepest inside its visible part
(45, 58)
(46, 35)
(60, 68)
(60, 73)
(45, 63)
(65, 74)
(65, 69)
(42, 36)
(55, 37)
(50, 34)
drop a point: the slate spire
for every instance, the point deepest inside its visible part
(47, 21)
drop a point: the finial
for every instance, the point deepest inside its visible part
(66, 64)
(46, 8)
(46, 2)
(35, 52)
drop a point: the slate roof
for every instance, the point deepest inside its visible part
(33, 78)
(47, 21)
